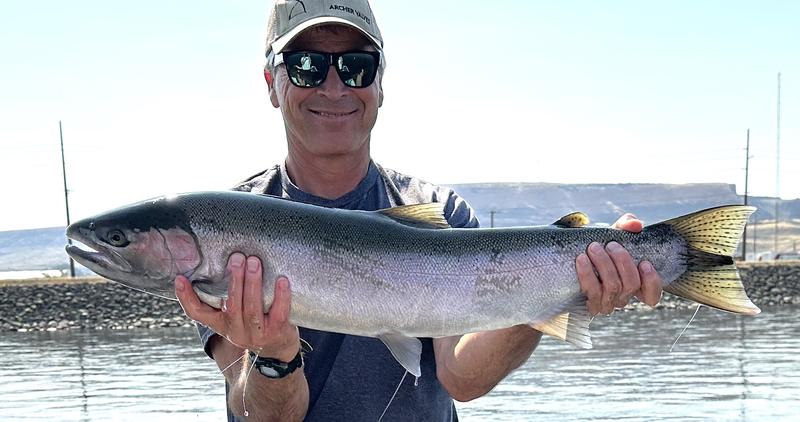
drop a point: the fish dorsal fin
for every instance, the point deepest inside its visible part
(570, 323)
(573, 220)
(423, 216)
(406, 350)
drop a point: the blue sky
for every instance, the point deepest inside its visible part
(167, 96)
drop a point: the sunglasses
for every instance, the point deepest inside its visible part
(308, 69)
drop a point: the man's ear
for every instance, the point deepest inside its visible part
(380, 94)
(273, 98)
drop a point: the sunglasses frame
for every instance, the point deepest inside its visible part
(332, 59)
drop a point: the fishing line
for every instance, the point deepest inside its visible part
(232, 363)
(393, 395)
(684, 328)
(244, 388)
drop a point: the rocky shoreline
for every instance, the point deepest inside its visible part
(60, 304)
(84, 304)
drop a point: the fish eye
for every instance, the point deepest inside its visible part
(117, 238)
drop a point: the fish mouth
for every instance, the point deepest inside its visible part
(99, 257)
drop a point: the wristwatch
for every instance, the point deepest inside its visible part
(277, 369)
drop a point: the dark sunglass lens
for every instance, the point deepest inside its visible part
(306, 69)
(357, 69)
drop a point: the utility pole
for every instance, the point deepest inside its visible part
(66, 194)
(746, 177)
(491, 214)
(778, 168)
(755, 251)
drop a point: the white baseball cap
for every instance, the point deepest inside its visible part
(291, 17)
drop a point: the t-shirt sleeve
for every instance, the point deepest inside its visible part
(458, 212)
(205, 334)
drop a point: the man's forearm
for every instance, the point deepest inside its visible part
(265, 399)
(471, 365)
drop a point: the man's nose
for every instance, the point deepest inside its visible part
(333, 86)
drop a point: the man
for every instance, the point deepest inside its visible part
(328, 116)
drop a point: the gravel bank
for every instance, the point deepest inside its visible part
(90, 304)
(56, 304)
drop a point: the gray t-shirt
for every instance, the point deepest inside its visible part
(352, 378)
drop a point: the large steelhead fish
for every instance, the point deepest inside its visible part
(401, 273)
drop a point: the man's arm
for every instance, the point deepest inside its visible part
(469, 366)
(241, 325)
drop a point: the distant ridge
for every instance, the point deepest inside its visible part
(516, 204)
(520, 204)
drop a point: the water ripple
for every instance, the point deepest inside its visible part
(725, 368)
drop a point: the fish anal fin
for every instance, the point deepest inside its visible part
(424, 216)
(568, 322)
(406, 350)
(573, 220)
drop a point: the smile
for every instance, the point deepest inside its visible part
(331, 114)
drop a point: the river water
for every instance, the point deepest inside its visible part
(725, 368)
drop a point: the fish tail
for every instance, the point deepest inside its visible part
(711, 278)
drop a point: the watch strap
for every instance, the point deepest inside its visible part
(275, 368)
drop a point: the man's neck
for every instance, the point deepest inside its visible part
(327, 177)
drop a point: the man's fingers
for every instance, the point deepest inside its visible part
(281, 305)
(651, 284)
(612, 286)
(193, 307)
(628, 273)
(253, 306)
(234, 274)
(629, 223)
(590, 284)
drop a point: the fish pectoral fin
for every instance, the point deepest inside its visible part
(210, 287)
(406, 350)
(423, 216)
(573, 220)
(571, 326)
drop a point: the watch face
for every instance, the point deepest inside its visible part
(273, 368)
(268, 372)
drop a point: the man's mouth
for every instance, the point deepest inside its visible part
(332, 114)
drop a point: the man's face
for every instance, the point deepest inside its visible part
(331, 119)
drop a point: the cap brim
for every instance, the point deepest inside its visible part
(278, 45)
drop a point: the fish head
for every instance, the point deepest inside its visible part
(143, 246)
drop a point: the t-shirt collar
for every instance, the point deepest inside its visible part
(364, 186)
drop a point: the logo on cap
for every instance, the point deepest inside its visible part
(296, 9)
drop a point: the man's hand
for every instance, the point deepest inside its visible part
(242, 320)
(245, 326)
(609, 277)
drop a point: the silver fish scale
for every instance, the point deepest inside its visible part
(362, 273)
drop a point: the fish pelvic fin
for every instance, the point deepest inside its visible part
(570, 323)
(423, 216)
(406, 350)
(711, 277)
